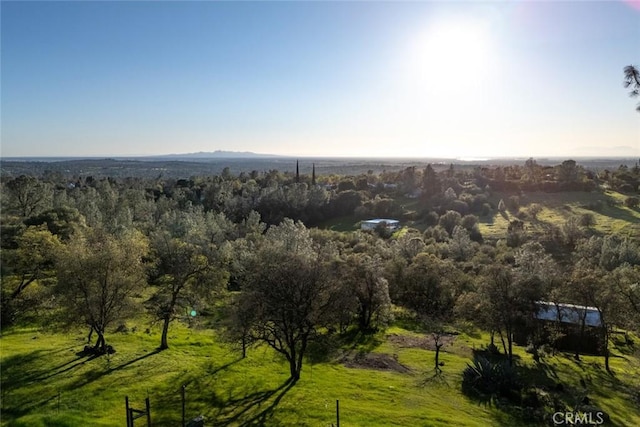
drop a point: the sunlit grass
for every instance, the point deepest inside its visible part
(44, 382)
(610, 215)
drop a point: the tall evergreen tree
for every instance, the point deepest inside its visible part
(430, 182)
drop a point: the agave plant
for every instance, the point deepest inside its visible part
(490, 378)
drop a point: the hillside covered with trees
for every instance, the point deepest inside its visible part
(119, 285)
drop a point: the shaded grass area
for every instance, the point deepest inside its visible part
(47, 382)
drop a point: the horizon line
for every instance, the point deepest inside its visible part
(251, 155)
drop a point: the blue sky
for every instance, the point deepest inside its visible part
(423, 79)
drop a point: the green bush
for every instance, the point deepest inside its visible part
(491, 379)
(632, 202)
(587, 220)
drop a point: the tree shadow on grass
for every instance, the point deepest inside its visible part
(95, 374)
(582, 391)
(248, 405)
(613, 209)
(81, 359)
(28, 407)
(541, 390)
(355, 339)
(21, 369)
(594, 371)
(249, 410)
(200, 391)
(487, 219)
(435, 377)
(205, 380)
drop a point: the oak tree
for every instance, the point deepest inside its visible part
(99, 274)
(287, 286)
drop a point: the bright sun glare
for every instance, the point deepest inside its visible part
(449, 68)
(451, 57)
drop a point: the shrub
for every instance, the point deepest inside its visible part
(534, 210)
(475, 234)
(469, 221)
(587, 220)
(346, 185)
(522, 215)
(516, 234)
(513, 204)
(431, 218)
(626, 188)
(450, 194)
(632, 202)
(477, 202)
(491, 379)
(438, 233)
(382, 230)
(449, 220)
(459, 206)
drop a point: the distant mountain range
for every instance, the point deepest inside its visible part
(201, 155)
(218, 154)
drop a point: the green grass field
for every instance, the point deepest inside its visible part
(45, 382)
(611, 217)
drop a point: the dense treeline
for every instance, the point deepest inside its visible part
(96, 252)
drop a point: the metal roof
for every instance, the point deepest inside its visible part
(379, 220)
(568, 313)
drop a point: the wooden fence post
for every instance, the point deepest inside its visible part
(148, 408)
(126, 403)
(183, 404)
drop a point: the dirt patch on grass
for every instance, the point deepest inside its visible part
(426, 342)
(378, 361)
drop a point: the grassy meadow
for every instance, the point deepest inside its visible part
(46, 381)
(609, 213)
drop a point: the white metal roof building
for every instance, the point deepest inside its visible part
(371, 224)
(568, 313)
